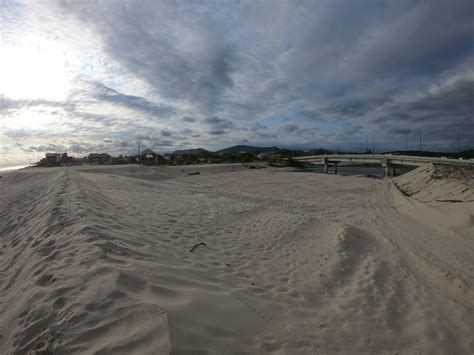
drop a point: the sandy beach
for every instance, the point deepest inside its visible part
(152, 260)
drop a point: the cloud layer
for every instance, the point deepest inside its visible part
(211, 74)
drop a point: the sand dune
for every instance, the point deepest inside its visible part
(439, 184)
(449, 189)
(97, 260)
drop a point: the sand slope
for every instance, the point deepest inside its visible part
(98, 260)
(449, 189)
(438, 184)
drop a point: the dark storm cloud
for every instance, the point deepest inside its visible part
(450, 104)
(106, 94)
(218, 123)
(268, 68)
(105, 120)
(267, 136)
(146, 137)
(11, 105)
(356, 106)
(258, 127)
(83, 148)
(400, 130)
(45, 148)
(180, 49)
(75, 106)
(351, 129)
(165, 133)
(380, 40)
(455, 100)
(183, 55)
(216, 132)
(163, 143)
(123, 144)
(291, 127)
(428, 37)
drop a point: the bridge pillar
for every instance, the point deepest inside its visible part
(386, 165)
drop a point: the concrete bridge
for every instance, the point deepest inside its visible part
(388, 161)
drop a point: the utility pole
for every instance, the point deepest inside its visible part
(373, 143)
(138, 151)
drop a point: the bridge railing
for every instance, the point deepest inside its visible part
(379, 159)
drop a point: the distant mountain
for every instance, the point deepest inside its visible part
(148, 152)
(196, 151)
(249, 149)
(234, 149)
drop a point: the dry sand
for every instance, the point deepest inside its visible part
(97, 260)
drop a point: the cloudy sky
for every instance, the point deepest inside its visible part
(88, 76)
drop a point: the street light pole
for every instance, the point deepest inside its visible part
(373, 143)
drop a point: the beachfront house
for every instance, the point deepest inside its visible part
(59, 159)
(99, 158)
(53, 158)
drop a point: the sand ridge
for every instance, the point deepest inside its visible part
(97, 260)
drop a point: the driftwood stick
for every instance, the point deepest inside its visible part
(197, 245)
